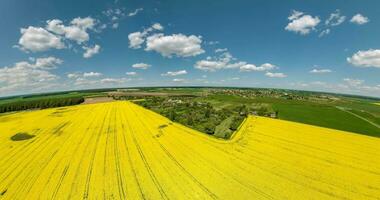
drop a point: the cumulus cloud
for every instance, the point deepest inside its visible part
(76, 31)
(114, 80)
(83, 23)
(335, 19)
(135, 12)
(38, 39)
(175, 73)
(46, 63)
(141, 66)
(82, 76)
(176, 44)
(320, 71)
(73, 75)
(359, 19)
(131, 73)
(157, 26)
(92, 74)
(91, 51)
(251, 67)
(368, 58)
(226, 61)
(275, 75)
(302, 23)
(136, 39)
(223, 61)
(26, 76)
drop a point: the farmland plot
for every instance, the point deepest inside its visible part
(118, 150)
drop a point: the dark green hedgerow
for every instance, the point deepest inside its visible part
(40, 103)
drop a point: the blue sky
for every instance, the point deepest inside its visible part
(66, 45)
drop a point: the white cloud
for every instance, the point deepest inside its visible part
(92, 74)
(73, 75)
(178, 80)
(26, 77)
(369, 58)
(83, 23)
(320, 71)
(91, 51)
(223, 61)
(76, 31)
(335, 19)
(131, 73)
(252, 67)
(86, 82)
(131, 14)
(359, 19)
(301, 23)
(47, 63)
(55, 26)
(141, 66)
(114, 80)
(212, 42)
(227, 61)
(295, 15)
(38, 39)
(136, 39)
(157, 26)
(221, 50)
(353, 82)
(83, 76)
(275, 75)
(176, 73)
(324, 32)
(176, 44)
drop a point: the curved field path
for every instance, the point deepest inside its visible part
(118, 150)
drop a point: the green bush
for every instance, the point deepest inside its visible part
(236, 121)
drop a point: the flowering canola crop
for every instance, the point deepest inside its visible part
(119, 150)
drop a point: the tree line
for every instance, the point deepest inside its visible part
(40, 103)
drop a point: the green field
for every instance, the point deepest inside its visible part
(323, 114)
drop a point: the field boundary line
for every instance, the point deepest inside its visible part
(358, 116)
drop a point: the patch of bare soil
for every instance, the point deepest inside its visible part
(92, 100)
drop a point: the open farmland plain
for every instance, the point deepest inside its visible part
(119, 150)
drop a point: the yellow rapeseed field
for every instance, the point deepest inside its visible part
(119, 150)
